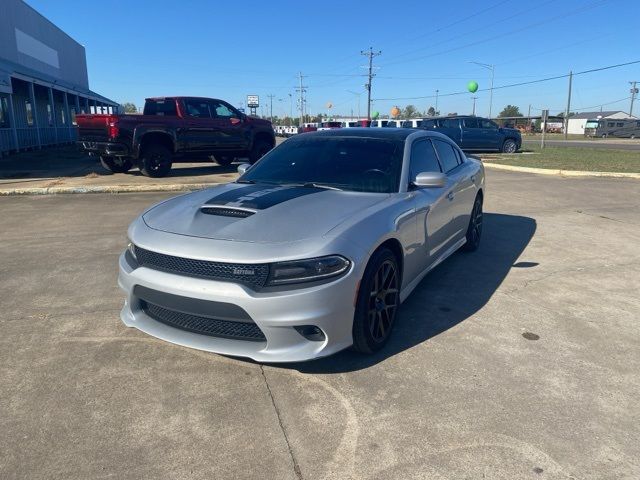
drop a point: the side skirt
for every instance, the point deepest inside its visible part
(450, 251)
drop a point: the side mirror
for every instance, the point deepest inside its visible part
(235, 121)
(243, 167)
(430, 180)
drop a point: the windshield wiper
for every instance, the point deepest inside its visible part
(319, 185)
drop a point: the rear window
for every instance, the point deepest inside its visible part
(165, 107)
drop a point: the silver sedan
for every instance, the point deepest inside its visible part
(311, 251)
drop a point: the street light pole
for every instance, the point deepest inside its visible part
(437, 91)
(492, 68)
(474, 106)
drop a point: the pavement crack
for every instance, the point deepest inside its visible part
(296, 467)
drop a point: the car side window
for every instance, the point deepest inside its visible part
(471, 123)
(450, 123)
(197, 108)
(488, 124)
(423, 159)
(446, 154)
(221, 110)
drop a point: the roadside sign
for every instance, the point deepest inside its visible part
(544, 118)
(253, 101)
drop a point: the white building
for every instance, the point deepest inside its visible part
(578, 121)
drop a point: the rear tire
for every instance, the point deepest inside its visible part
(474, 230)
(155, 161)
(260, 147)
(223, 160)
(116, 164)
(378, 302)
(509, 146)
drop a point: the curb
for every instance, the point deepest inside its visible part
(561, 173)
(106, 189)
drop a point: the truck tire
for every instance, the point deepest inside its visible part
(509, 146)
(224, 160)
(155, 161)
(116, 164)
(260, 147)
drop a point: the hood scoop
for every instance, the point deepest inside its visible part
(222, 211)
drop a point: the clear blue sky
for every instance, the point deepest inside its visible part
(141, 48)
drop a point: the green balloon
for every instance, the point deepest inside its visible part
(473, 87)
(375, 114)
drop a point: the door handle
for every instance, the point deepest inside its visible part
(450, 195)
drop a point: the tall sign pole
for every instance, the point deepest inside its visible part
(370, 53)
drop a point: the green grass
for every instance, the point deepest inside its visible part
(570, 158)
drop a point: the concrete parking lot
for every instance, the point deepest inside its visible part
(521, 360)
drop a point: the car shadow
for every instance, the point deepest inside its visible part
(447, 296)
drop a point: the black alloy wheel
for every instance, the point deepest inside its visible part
(378, 302)
(509, 146)
(155, 161)
(474, 230)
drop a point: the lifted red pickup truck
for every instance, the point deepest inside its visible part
(174, 129)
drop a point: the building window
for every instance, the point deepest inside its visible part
(49, 115)
(4, 113)
(29, 109)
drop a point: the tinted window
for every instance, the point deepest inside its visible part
(471, 123)
(4, 113)
(423, 159)
(160, 107)
(484, 123)
(197, 108)
(619, 124)
(610, 124)
(450, 123)
(428, 124)
(447, 155)
(349, 163)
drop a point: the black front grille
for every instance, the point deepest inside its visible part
(252, 275)
(204, 325)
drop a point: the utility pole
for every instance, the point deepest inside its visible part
(270, 97)
(566, 113)
(437, 91)
(529, 120)
(634, 92)
(474, 106)
(370, 54)
(302, 90)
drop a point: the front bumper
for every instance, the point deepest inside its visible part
(328, 306)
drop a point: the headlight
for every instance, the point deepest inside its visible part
(132, 250)
(308, 270)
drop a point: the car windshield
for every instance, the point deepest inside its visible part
(347, 163)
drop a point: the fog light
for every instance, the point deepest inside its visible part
(311, 332)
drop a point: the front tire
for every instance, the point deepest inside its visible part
(509, 146)
(474, 230)
(260, 148)
(116, 164)
(223, 160)
(377, 304)
(155, 161)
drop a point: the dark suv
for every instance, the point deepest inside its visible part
(476, 133)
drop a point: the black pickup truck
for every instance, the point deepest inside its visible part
(476, 133)
(174, 129)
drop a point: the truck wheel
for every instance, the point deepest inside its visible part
(223, 160)
(155, 161)
(116, 164)
(259, 149)
(509, 146)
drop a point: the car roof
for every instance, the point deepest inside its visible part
(365, 132)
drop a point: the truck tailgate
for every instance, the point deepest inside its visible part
(93, 127)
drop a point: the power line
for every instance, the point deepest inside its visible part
(556, 77)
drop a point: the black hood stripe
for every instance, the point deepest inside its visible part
(259, 197)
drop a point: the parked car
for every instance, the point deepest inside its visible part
(310, 251)
(308, 127)
(476, 133)
(174, 129)
(329, 125)
(350, 124)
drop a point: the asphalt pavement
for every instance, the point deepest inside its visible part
(518, 361)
